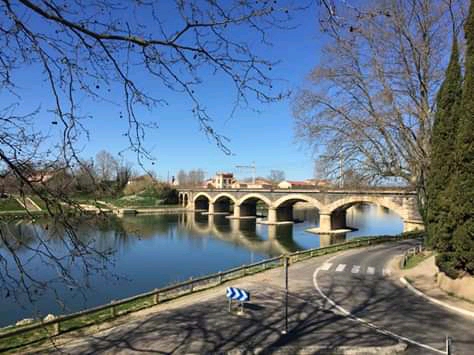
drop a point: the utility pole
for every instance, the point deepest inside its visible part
(341, 170)
(252, 167)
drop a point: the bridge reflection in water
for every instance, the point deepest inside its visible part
(274, 240)
(280, 238)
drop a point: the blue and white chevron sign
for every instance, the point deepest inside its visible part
(235, 293)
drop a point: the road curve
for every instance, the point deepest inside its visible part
(357, 282)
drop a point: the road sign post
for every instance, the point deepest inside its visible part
(285, 260)
(234, 293)
(448, 345)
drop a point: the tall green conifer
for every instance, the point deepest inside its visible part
(442, 155)
(463, 183)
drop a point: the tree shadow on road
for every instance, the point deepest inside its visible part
(313, 325)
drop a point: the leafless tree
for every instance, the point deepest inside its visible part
(370, 100)
(276, 176)
(196, 177)
(182, 177)
(123, 174)
(94, 51)
(106, 165)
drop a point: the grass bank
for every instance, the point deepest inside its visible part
(415, 259)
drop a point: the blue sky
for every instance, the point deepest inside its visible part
(265, 137)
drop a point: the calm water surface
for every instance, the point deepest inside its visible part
(155, 250)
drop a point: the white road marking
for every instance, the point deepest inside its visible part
(355, 269)
(326, 266)
(340, 267)
(349, 315)
(370, 270)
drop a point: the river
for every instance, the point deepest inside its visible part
(147, 252)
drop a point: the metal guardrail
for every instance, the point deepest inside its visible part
(410, 252)
(73, 321)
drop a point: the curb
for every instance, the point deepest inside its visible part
(434, 300)
(399, 348)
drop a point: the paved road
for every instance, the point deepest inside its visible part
(357, 282)
(201, 324)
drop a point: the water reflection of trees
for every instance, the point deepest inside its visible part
(46, 256)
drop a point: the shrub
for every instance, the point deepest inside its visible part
(447, 263)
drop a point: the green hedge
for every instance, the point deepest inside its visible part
(447, 263)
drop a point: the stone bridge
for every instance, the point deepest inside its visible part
(331, 204)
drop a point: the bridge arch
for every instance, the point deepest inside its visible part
(347, 202)
(224, 195)
(294, 198)
(254, 196)
(200, 195)
(201, 201)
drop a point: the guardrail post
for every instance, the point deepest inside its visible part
(113, 312)
(156, 297)
(56, 328)
(404, 261)
(448, 345)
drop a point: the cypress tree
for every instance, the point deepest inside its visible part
(463, 202)
(445, 125)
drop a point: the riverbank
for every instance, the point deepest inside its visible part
(13, 209)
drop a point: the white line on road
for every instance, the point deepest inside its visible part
(364, 321)
(370, 270)
(355, 269)
(326, 266)
(340, 267)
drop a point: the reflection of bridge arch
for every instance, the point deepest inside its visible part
(271, 246)
(294, 198)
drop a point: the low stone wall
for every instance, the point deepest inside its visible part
(462, 287)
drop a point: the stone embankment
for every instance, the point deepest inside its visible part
(131, 211)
